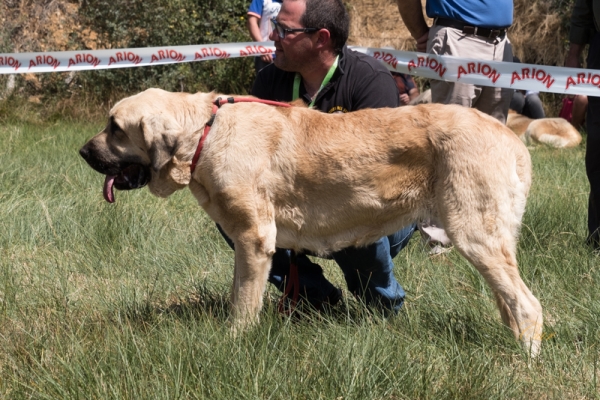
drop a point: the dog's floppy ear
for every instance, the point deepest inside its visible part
(160, 136)
(173, 176)
(164, 137)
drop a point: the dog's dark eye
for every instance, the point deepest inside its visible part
(114, 127)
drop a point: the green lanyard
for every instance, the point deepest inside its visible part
(297, 78)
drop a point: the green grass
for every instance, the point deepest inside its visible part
(129, 301)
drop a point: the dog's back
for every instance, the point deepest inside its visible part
(301, 179)
(347, 179)
(363, 175)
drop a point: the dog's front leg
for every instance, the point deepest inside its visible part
(254, 250)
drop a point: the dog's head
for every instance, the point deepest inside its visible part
(149, 140)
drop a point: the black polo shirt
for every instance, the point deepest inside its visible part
(359, 82)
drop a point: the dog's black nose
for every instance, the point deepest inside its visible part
(84, 152)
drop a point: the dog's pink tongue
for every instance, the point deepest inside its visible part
(108, 192)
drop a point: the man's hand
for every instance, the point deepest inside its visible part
(404, 99)
(422, 42)
(411, 12)
(268, 58)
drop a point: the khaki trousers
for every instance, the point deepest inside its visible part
(446, 41)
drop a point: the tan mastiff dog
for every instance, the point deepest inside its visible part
(552, 132)
(305, 180)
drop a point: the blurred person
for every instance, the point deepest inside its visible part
(527, 102)
(260, 14)
(313, 63)
(580, 105)
(407, 88)
(573, 109)
(585, 30)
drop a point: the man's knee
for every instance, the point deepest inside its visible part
(400, 239)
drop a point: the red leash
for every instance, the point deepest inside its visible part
(292, 286)
(216, 105)
(293, 283)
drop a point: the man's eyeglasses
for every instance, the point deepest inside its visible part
(281, 31)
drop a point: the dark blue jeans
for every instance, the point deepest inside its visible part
(369, 271)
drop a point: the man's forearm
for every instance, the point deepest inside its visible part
(411, 12)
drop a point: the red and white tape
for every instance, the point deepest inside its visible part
(538, 78)
(487, 73)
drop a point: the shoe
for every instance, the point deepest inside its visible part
(316, 291)
(593, 241)
(333, 297)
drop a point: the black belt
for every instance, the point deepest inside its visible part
(471, 30)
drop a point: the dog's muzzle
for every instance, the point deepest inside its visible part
(126, 177)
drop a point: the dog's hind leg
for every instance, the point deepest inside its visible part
(482, 219)
(494, 257)
(505, 312)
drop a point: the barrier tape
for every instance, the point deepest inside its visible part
(539, 78)
(486, 73)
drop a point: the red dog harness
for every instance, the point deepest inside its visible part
(293, 284)
(216, 105)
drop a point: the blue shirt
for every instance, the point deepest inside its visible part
(257, 6)
(479, 13)
(265, 10)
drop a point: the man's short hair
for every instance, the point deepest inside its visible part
(331, 15)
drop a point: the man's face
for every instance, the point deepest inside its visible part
(293, 51)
